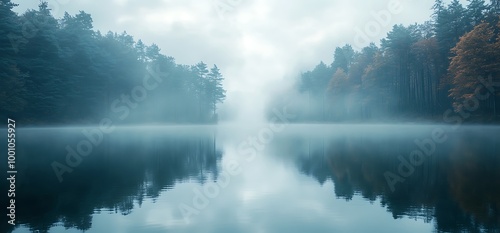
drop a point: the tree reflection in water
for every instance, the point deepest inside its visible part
(117, 176)
(458, 186)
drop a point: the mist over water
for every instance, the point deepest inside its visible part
(250, 116)
(320, 176)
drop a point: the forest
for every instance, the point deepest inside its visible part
(62, 71)
(442, 69)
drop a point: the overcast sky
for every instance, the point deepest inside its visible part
(257, 44)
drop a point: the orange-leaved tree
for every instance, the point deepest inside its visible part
(477, 58)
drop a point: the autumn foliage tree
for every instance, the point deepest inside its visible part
(418, 71)
(338, 90)
(477, 58)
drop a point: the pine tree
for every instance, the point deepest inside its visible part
(12, 79)
(343, 58)
(476, 13)
(397, 46)
(216, 92)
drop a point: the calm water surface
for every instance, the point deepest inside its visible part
(300, 178)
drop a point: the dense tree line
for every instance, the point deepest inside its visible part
(418, 71)
(57, 71)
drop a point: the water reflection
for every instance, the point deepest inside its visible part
(308, 179)
(458, 186)
(129, 166)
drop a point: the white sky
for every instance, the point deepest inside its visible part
(257, 44)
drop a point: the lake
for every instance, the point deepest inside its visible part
(286, 178)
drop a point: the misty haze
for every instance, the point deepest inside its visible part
(250, 116)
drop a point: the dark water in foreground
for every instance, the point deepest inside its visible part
(300, 178)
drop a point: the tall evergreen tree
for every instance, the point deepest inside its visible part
(62, 71)
(216, 92)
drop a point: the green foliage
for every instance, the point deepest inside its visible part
(410, 75)
(58, 71)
